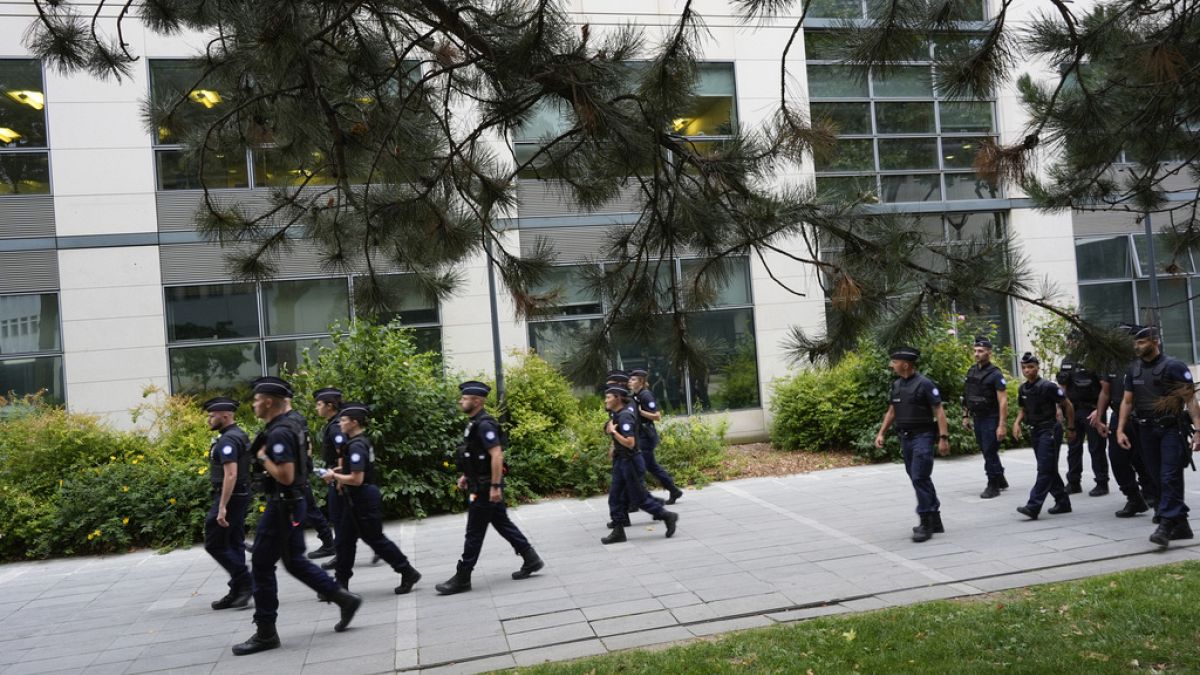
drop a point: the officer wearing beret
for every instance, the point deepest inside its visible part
(648, 434)
(357, 481)
(328, 401)
(1083, 388)
(985, 408)
(628, 484)
(229, 473)
(279, 449)
(480, 458)
(1128, 468)
(1039, 399)
(916, 409)
(1160, 397)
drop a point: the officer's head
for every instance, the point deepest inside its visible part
(1145, 341)
(220, 412)
(352, 418)
(329, 401)
(472, 395)
(637, 379)
(616, 378)
(983, 349)
(272, 397)
(615, 398)
(1030, 366)
(904, 360)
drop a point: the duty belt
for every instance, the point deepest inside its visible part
(1164, 422)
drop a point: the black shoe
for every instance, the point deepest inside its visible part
(992, 490)
(329, 564)
(1157, 519)
(533, 563)
(1100, 490)
(670, 518)
(409, 577)
(615, 537)
(674, 496)
(1063, 506)
(459, 583)
(935, 523)
(1074, 488)
(921, 533)
(264, 638)
(1162, 536)
(1133, 506)
(376, 558)
(1027, 512)
(1181, 531)
(326, 549)
(1002, 482)
(235, 599)
(349, 604)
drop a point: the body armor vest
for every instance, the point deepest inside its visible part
(472, 458)
(1084, 390)
(1148, 387)
(360, 444)
(1038, 403)
(977, 396)
(329, 451)
(237, 439)
(911, 414)
(295, 424)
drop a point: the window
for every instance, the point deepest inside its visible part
(412, 307)
(31, 346)
(174, 81)
(725, 332)
(858, 9)
(24, 159)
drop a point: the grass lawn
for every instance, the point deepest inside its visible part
(1140, 621)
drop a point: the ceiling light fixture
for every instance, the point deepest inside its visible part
(33, 99)
(8, 135)
(205, 97)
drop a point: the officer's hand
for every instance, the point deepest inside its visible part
(496, 495)
(1016, 431)
(608, 427)
(1123, 440)
(1001, 433)
(943, 448)
(1102, 429)
(327, 477)
(879, 440)
(1071, 435)
(1196, 443)
(462, 482)
(221, 517)
(1093, 418)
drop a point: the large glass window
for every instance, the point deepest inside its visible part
(858, 9)
(211, 312)
(31, 345)
(178, 83)
(24, 160)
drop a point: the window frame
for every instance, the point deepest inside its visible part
(42, 150)
(43, 354)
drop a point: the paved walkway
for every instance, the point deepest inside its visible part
(748, 553)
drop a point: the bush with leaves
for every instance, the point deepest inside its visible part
(690, 446)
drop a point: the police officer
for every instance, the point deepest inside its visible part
(480, 458)
(328, 401)
(1083, 388)
(916, 409)
(1127, 466)
(619, 378)
(985, 408)
(1159, 395)
(312, 512)
(225, 527)
(1038, 399)
(279, 449)
(628, 483)
(357, 481)
(647, 434)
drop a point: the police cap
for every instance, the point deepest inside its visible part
(1145, 332)
(617, 376)
(272, 386)
(617, 391)
(355, 411)
(220, 404)
(906, 354)
(983, 341)
(638, 372)
(1028, 357)
(474, 388)
(328, 395)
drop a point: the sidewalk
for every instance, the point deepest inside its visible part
(748, 553)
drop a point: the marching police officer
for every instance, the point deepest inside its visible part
(916, 409)
(628, 485)
(1038, 399)
(1159, 395)
(357, 481)
(229, 473)
(480, 458)
(312, 513)
(328, 402)
(1083, 388)
(1128, 469)
(985, 408)
(648, 434)
(280, 447)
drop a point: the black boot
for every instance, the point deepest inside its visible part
(349, 604)
(1061, 506)
(1181, 530)
(329, 564)
(675, 494)
(1002, 482)
(1073, 488)
(612, 523)
(264, 638)
(1028, 512)
(992, 489)
(922, 531)
(1133, 506)
(670, 518)
(935, 523)
(1162, 536)
(1100, 490)
(409, 576)
(615, 537)
(459, 583)
(236, 598)
(533, 563)
(326, 549)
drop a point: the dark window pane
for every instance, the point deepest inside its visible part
(24, 173)
(428, 339)
(977, 226)
(176, 171)
(731, 380)
(304, 307)
(907, 153)
(548, 119)
(835, 9)
(959, 153)
(849, 188)
(665, 381)
(966, 116)
(713, 111)
(533, 165)
(904, 118)
(835, 82)
(573, 295)
(920, 188)
(968, 186)
(904, 82)
(216, 312)
(173, 80)
(1106, 258)
(22, 104)
(214, 368)
(849, 118)
(850, 154)
(285, 355)
(1107, 304)
(403, 298)
(736, 287)
(1176, 320)
(23, 376)
(823, 45)
(557, 342)
(28, 324)
(1166, 262)
(273, 169)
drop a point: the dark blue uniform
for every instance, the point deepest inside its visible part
(483, 434)
(628, 486)
(227, 545)
(1039, 399)
(1083, 389)
(280, 533)
(914, 401)
(312, 512)
(979, 398)
(1128, 466)
(332, 440)
(1163, 437)
(647, 439)
(362, 514)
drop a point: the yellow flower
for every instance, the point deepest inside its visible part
(112, 458)
(124, 488)
(261, 508)
(134, 462)
(125, 520)
(171, 501)
(200, 471)
(446, 464)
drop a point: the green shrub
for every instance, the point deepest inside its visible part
(690, 446)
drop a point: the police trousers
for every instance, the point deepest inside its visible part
(312, 513)
(1166, 454)
(1095, 444)
(362, 518)
(628, 486)
(227, 545)
(482, 512)
(280, 536)
(917, 448)
(1128, 466)
(1047, 444)
(647, 445)
(985, 435)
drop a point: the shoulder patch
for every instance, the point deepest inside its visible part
(339, 439)
(1003, 382)
(227, 450)
(935, 392)
(652, 405)
(1060, 391)
(356, 458)
(490, 435)
(624, 427)
(278, 449)
(1187, 375)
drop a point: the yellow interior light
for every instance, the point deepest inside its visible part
(205, 97)
(163, 133)
(949, 156)
(679, 124)
(33, 99)
(365, 100)
(967, 146)
(8, 135)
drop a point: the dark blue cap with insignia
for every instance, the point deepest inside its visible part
(617, 376)
(220, 404)
(1126, 328)
(617, 391)
(906, 354)
(638, 372)
(474, 388)
(358, 411)
(1145, 332)
(983, 341)
(1028, 357)
(328, 394)
(273, 386)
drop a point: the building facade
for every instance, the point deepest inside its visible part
(106, 288)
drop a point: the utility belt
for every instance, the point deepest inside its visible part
(1043, 426)
(908, 432)
(290, 493)
(239, 489)
(1164, 422)
(625, 453)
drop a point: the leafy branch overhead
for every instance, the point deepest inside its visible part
(391, 120)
